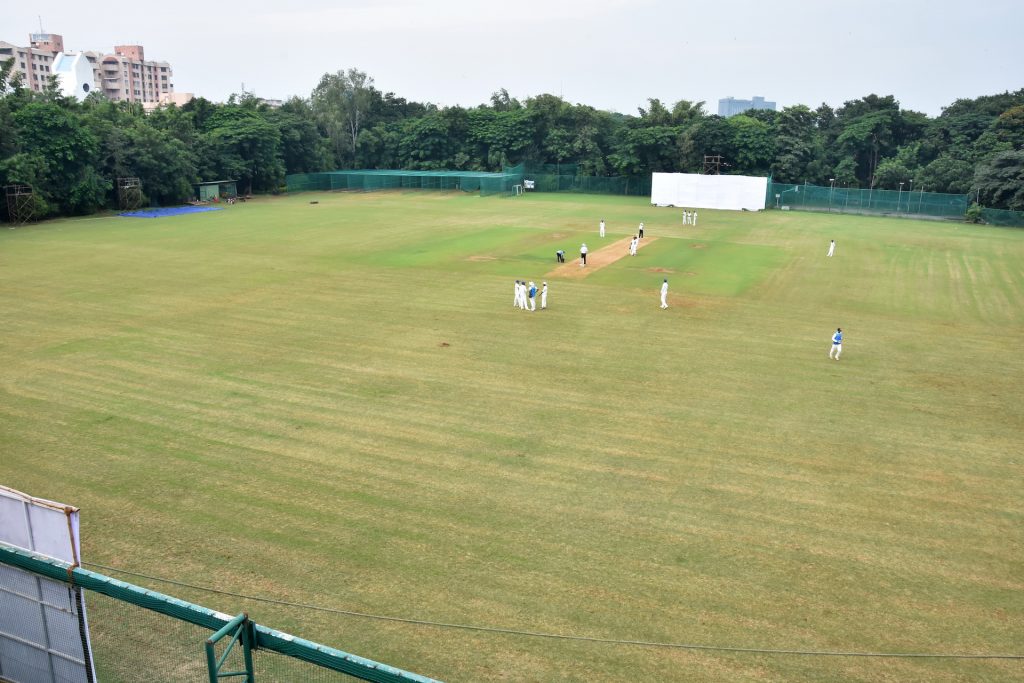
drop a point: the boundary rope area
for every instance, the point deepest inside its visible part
(562, 636)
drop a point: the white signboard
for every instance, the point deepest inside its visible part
(695, 191)
(44, 635)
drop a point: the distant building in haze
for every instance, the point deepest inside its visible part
(730, 106)
(124, 76)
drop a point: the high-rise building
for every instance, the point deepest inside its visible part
(124, 76)
(730, 106)
(35, 64)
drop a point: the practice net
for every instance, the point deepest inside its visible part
(486, 184)
(850, 200)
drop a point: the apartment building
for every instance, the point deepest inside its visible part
(123, 76)
(730, 106)
(35, 64)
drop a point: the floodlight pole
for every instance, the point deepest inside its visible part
(831, 189)
(910, 193)
(899, 198)
(920, 197)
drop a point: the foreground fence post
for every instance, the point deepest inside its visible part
(241, 629)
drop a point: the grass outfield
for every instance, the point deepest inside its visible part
(337, 404)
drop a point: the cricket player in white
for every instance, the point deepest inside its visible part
(837, 343)
(521, 296)
(693, 218)
(515, 296)
(686, 217)
(831, 248)
(601, 228)
(664, 294)
(632, 245)
(544, 296)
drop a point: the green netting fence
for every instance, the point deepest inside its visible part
(851, 200)
(1012, 219)
(567, 178)
(366, 180)
(546, 177)
(140, 635)
(633, 187)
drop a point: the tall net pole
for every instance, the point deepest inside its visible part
(21, 205)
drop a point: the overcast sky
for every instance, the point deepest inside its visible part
(611, 54)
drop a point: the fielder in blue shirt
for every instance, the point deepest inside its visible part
(837, 343)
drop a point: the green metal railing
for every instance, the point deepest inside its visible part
(253, 636)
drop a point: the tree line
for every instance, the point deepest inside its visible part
(70, 151)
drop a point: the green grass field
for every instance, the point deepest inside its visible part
(337, 404)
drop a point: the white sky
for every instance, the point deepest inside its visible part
(611, 54)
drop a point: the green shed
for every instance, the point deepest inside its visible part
(216, 190)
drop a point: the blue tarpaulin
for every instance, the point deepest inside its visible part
(168, 211)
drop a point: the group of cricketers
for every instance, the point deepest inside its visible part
(525, 297)
(526, 292)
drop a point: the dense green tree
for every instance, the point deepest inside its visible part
(946, 174)
(303, 150)
(1009, 127)
(712, 136)
(71, 151)
(164, 166)
(891, 173)
(999, 181)
(753, 143)
(866, 135)
(426, 144)
(240, 144)
(64, 153)
(342, 102)
(796, 144)
(500, 138)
